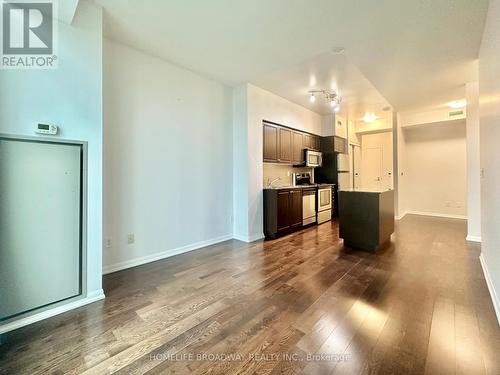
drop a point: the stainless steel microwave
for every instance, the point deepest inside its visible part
(313, 158)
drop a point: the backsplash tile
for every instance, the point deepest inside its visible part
(283, 171)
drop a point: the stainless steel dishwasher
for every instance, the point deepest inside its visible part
(308, 206)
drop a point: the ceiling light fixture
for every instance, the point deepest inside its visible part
(457, 104)
(336, 109)
(369, 118)
(331, 97)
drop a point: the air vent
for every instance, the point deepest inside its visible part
(456, 113)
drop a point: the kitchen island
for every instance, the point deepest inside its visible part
(366, 217)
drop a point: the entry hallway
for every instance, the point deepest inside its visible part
(421, 306)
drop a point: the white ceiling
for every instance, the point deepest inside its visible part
(415, 53)
(326, 71)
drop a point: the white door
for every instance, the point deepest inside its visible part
(357, 166)
(372, 171)
(40, 208)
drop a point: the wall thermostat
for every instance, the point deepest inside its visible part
(46, 129)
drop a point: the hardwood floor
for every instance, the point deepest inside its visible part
(299, 304)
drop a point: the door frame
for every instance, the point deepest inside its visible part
(83, 220)
(352, 159)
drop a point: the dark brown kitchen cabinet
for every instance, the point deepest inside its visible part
(307, 141)
(295, 213)
(298, 148)
(285, 145)
(270, 143)
(316, 143)
(282, 211)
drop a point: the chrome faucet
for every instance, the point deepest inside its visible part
(270, 184)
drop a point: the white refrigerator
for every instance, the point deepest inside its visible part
(343, 170)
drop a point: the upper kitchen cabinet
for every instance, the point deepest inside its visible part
(340, 126)
(334, 144)
(270, 143)
(307, 141)
(312, 142)
(298, 148)
(285, 145)
(316, 143)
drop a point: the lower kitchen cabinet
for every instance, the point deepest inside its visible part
(295, 217)
(282, 211)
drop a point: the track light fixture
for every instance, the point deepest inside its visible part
(331, 97)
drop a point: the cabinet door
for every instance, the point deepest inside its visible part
(295, 208)
(270, 143)
(307, 141)
(283, 210)
(340, 145)
(316, 143)
(285, 145)
(298, 148)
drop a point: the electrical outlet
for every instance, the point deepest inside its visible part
(130, 238)
(107, 243)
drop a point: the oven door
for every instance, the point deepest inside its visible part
(313, 158)
(324, 199)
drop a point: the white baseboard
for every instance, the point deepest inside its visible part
(401, 216)
(162, 255)
(491, 288)
(473, 238)
(434, 214)
(91, 297)
(248, 239)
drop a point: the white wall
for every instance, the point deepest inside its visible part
(240, 162)
(353, 136)
(489, 102)
(70, 97)
(429, 117)
(252, 107)
(401, 172)
(381, 124)
(168, 158)
(435, 169)
(473, 163)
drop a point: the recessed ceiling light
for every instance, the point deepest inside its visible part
(338, 50)
(369, 117)
(457, 103)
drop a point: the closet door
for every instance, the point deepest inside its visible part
(40, 224)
